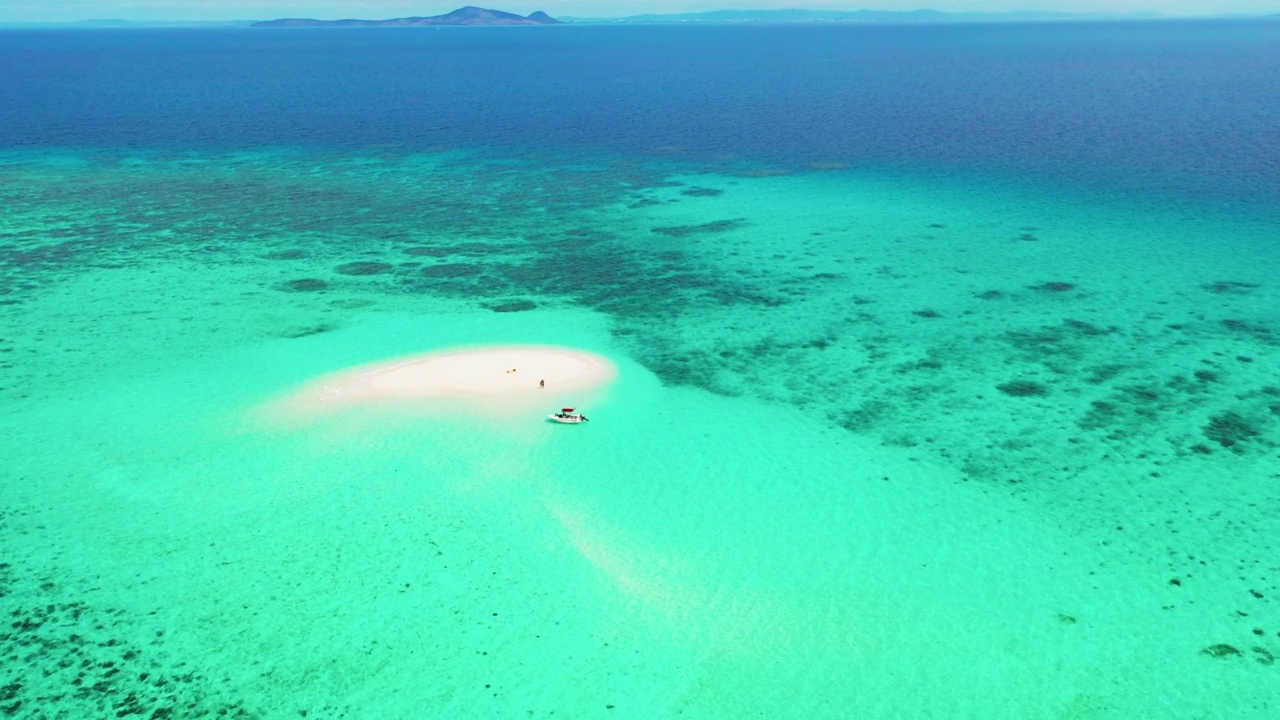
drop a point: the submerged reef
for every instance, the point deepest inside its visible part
(364, 268)
(1055, 286)
(1230, 287)
(1023, 388)
(514, 306)
(306, 285)
(717, 226)
(67, 655)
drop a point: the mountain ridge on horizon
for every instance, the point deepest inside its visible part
(468, 15)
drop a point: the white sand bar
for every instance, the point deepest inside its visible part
(491, 378)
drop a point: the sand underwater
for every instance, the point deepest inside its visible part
(879, 445)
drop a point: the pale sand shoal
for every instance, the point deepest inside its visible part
(486, 379)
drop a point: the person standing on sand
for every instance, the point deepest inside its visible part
(542, 383)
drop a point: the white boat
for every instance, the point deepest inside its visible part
(568, 416)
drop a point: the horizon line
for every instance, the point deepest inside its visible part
(794, 15)
(581, 19)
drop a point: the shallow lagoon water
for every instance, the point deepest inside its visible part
(884, 442)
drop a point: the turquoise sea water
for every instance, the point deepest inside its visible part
(887, 440)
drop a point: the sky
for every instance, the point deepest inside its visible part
(71, 10)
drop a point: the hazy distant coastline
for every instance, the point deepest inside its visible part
(855, 16)
(474, 16)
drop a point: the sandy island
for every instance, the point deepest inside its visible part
(487, 380)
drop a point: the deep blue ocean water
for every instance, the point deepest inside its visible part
(1176, 107)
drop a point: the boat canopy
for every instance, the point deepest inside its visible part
(566, 410)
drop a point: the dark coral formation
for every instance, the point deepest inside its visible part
(717, 226)
(1057, 347)
(1229, 429)
(701, 192)
(425, 251)
(514, 306)
(1105, 373)
(364, 268)
(1023, 388)
(1055, 286)
(306, 331)
(306, 285)
(64, 656)
(1229, 287)
(451, 270)
(1260, 333)
(1221, 650)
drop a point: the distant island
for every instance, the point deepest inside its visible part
(462, 16)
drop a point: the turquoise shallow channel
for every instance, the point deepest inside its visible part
(946, 372)
(877, 448)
